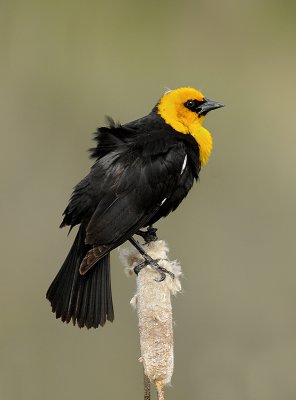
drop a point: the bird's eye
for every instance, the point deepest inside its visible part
(193, 105)
(190, 104)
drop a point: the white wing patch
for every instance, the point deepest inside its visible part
(184, 164)
(163, 201)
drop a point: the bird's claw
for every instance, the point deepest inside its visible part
(154, 264)
(149, 235)
(163, 271)
(139, 267)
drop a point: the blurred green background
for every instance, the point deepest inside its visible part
(67, 64)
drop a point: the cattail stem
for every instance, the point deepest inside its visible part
(146, 387)
(160, 390)
(153, 304)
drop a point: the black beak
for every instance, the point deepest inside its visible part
(208, 105)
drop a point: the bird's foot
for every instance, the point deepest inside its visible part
(149, 261)
(149, 235)
(153, 264)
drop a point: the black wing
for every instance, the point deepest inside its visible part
(136, 174)
(136, 182)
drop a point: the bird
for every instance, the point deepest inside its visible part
(142, 171)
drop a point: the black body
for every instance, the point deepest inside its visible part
(143, 170)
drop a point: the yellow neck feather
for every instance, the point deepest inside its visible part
(171, 108)
(204, 141)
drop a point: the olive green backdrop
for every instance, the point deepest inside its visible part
(67, 64)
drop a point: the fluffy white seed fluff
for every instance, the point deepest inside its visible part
(153, 304)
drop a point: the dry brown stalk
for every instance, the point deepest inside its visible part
(153, 304)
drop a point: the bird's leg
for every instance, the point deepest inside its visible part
(149, 235)
(149, 261)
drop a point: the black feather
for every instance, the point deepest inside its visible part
(78, 297)
(136, 179)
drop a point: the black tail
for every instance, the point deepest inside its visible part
(84, 299)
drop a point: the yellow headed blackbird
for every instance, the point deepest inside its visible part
(142, 171)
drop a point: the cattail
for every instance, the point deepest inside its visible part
(153, 304)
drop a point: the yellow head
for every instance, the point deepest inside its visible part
(184, 109)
